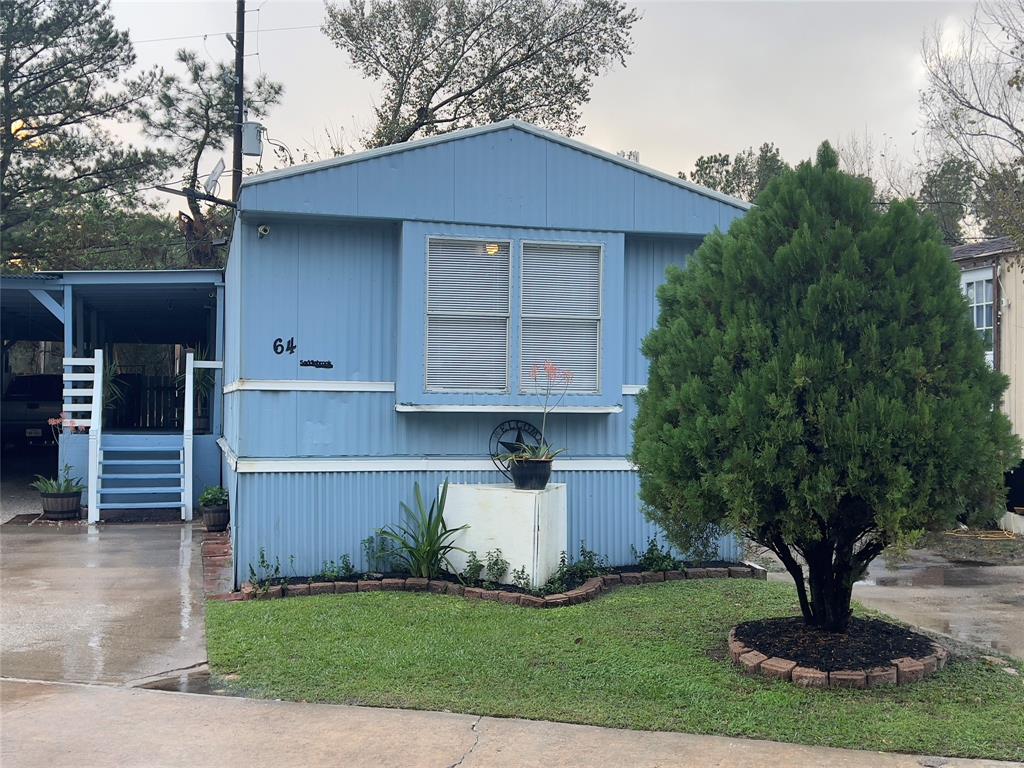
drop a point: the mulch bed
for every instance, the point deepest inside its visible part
(868, 643)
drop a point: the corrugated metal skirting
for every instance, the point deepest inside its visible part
(306, 518)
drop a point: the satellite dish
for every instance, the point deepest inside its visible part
(211, 181)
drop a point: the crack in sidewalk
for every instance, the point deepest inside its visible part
(476, 742)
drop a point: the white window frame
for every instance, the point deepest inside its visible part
(427, 313)
(599, 319)
(979, 277)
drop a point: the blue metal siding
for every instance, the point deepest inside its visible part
(323, 424)
(508, 177)
(303, 519)
(647, 258)
(331, 287)
(233, 307)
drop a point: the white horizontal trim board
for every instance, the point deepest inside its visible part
(405, 464)
(294, 385)
(70, 361)
(499, 408)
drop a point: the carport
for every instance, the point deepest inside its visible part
(147, 447)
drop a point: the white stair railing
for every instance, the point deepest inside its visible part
(186, 481)
(93, 406)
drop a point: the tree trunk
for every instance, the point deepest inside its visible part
(831, 587)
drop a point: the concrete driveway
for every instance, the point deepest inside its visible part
(87, 616)
(110, 604)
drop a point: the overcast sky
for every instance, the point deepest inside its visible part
(703, 78)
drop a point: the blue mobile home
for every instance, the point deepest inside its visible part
(383, 311)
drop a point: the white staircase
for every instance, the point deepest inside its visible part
(142, 476)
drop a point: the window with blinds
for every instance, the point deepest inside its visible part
(468, 311)
(561, 312)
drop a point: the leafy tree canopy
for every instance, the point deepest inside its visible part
(196, 114)
(744, 176)
(449, 64)
(64, 78)
(816, 386)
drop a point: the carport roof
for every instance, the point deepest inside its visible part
(145, 306)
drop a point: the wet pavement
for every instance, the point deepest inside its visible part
(107, 604)
(971, 602)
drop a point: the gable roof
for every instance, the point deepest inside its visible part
(992, 247)
(465, 133)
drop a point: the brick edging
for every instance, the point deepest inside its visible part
(590, 589)
(898, 672)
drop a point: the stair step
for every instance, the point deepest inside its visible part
(141, 449)
(142, 505)
(140, 461)
(150, 489)
(142, 476)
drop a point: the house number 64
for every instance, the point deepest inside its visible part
(280, 345)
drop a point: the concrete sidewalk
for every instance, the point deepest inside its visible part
(50, 725)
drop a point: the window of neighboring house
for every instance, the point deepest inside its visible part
(979, 297)
(468, 314)
(561, 312)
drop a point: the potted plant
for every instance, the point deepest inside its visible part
(62, 497)
(214, 505)
(530, 465)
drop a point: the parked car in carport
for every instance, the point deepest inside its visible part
(30, 400)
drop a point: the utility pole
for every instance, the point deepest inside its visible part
(236, 149)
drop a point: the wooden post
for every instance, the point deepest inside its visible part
(95, 437)
(186, 511)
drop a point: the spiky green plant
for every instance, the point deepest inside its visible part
(424, 542)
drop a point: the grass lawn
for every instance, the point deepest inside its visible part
(649, 657)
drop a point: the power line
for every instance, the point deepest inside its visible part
(229, 32)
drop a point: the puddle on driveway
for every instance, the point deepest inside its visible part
(969, 601)
(190, 682)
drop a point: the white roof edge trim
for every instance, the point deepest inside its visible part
(543, 133)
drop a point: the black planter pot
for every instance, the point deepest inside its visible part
(216, 518)
(62, 506)
(530, 474)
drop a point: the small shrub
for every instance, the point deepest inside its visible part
(654, 558)
(378, 552)
(496, 565)
(474, 568)
(337, 571)
(570, 575)
(214, 496)
(521, 578)
(265, 574)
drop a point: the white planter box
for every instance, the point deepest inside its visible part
(529, 527)
(1013, 522)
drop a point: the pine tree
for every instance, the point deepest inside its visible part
(817, 387)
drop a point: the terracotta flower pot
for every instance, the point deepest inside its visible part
(216, 518)
(62, 506)
(530, 474)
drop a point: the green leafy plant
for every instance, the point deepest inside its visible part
(265, 574)
(654, 558)
(337, 571)
(378, 552)
(474, 568)
(496, 565)
(424, 542)
(521, 578)
(113, 387)
(571, 574)
(62, 484)
(214, 496)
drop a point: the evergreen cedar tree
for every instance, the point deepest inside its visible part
(816, 386)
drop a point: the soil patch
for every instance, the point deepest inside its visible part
(868, 643)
